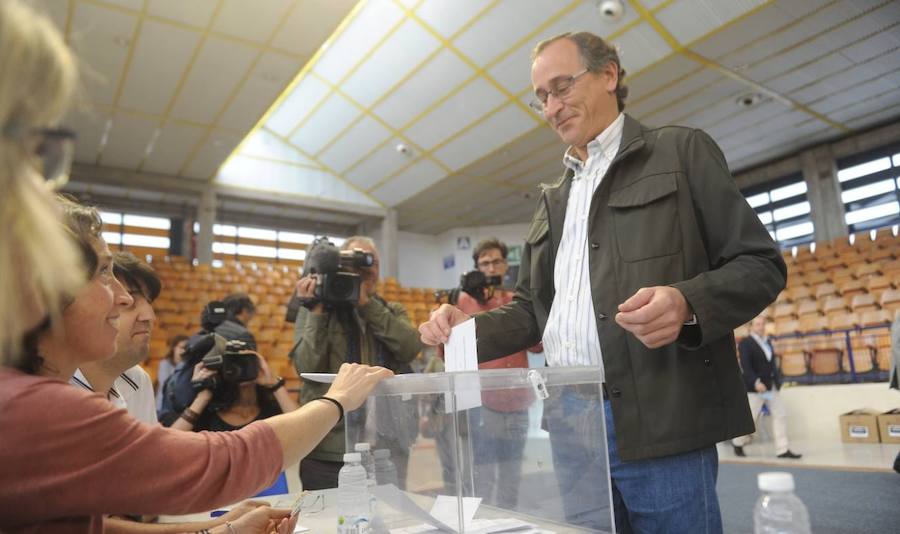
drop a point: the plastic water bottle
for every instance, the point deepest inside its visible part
(779, 510)
(353, 497)
(365, 453)
(385, 470)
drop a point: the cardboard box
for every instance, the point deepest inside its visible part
(889, 426)
(859, 426)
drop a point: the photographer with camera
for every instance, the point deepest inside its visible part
(234, 388)
(343, 320)
(239, 311)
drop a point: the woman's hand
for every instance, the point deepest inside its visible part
(262, 520)
(202, 373)
(264, 377)
(354, 382)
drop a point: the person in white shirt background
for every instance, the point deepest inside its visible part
(762, 377)
(126, 383)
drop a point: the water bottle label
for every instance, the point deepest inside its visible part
(353, 525)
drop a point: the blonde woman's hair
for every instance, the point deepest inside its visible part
(40, 267)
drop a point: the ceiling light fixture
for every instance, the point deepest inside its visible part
(748, 100)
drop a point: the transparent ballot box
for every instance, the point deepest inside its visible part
(487, 451)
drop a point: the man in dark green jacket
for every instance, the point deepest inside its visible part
(641, 259)
(373, 332)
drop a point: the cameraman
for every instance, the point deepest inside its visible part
(371, 331)
(500, 426)
(237, 404)
(240, 310)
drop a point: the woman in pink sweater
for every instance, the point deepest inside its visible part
(67, 457)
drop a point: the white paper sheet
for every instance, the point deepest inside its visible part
(446, 509)
(325, 378)
(461, 354)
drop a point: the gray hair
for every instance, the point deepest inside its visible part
(595, 55)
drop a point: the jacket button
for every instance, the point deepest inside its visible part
(707, 362)
(595, 245)
(615, 392)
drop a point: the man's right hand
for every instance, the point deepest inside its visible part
(306, 289)
(437, 329)
(354, 382)
(760, 387)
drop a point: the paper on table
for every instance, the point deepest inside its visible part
(446, 509)
(325, 378)
(461, 354)
(390, 495)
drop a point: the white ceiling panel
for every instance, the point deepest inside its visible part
(212, 80)
(523, 166)
(842, 99)
(90, 124)
(172, 148)
(658, 77)
(95, 35)
(278, 178)
(640, 47)
(740, 33)
(880, 43)
(305, 96)
(354, 144)
(447, 18)
(254, 21)
(406, 49)
(730, 119)
(381, 164)
(128, 4)
(437, 78)
(492, 133)
(689, 20)
(673, 92)
(873, 104)
(848, 78)
(876, 117)
(788, 35)
(527, 149)
(262, 144)
(195, 13)
(546, 173)
(417, 177)
(304, 33)
(371, 24)
(795, 78)
(128, 141)
(773, 127)
(159, 61)
(506, 23)
(514, 71)
(335, 114)
(726, 88)
(269, 77)
(461, 109)
(211, 154)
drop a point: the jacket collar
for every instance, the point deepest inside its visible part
(557, 193)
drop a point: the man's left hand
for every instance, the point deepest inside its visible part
(655, 315)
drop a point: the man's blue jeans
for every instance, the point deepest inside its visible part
(670, 494)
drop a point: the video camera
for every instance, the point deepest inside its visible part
(472, 283)
(233, 367)
(338, 279)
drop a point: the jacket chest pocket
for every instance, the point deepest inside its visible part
(645, 216)
(538, 241)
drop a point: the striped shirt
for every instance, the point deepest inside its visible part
(132, 391)
(570, 337)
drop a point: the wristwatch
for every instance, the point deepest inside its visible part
(278, 384)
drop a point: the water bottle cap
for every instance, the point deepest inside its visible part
(362, 447)
(776, 481)
(382, 454)
(352, 457)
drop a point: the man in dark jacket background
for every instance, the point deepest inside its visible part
(240, 310)
(759, 366)
(641, 260)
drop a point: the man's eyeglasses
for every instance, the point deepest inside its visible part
(493, 263)
(559, 88)
(54, 148)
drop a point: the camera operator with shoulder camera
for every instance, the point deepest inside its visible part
(343, 320)
(234, 388)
